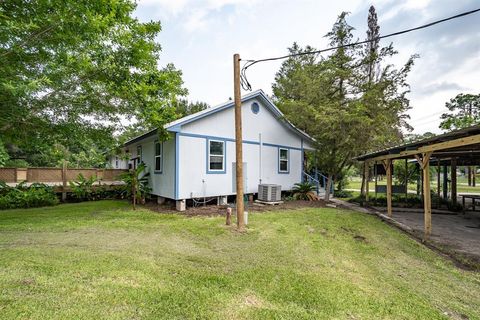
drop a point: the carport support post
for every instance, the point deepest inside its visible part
(367, 190)
(427, 199)
(438, 183)
(445, 182)
(406, 180)
(388, 168)
(454, 180)
(375, 173)
(424, 163)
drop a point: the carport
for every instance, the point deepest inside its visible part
(456, 148)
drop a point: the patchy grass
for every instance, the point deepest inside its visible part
(100, 260)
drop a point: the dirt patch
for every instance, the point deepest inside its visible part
(252, 301)
(28, 282)
(214, 210)
(360, 238)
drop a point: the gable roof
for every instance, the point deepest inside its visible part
(175, 126)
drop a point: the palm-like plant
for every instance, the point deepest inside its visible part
(136, 184)
(304, 191)
(83, 188)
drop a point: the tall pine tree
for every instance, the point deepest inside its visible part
(349, 101)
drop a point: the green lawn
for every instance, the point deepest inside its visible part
(462, 186)
(101, 260)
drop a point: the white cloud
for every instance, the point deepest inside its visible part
(200, 37)
(173, 7)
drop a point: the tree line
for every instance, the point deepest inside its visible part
(351, 101)
(74, 74)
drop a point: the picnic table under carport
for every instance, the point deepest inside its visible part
(456, 148)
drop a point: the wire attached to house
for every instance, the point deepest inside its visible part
(248, 63)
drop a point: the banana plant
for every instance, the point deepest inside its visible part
(136, 184)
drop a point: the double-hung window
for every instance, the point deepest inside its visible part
(216, 156)
(158, 156)
(139, 155)
(283, 156)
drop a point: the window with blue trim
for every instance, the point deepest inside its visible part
(255, 108)
(158, 156)
(283, 155)
(216, 155)
(139, 154)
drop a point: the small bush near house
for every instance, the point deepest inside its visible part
(412, 201)
(343, 194)
(84, 189)
(304, 191)
(136, 179)
(23, 196)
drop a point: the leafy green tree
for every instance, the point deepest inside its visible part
(71, 70)
(185, 108)
(414, 137)
(464, 111)
(350, 101)
(3, 154)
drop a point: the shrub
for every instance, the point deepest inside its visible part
(83, 188)
(304, 191)
(23, 196)
(136, 179)
(343, 194)
(412, 201)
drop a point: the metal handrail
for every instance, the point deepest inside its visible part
(324, 180)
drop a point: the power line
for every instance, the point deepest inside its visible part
(249, 62)
(429, 116)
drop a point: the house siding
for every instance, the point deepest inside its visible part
(195, 180)
(162, 183)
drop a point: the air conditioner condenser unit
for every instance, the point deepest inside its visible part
(269, 192)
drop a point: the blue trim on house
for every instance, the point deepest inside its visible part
(302, 166)
(201, 136)
(176, 126)
(155, 156)
(281, 146)
(139, 138)
(255, 107)
(207, 156)
(177, 161)
(278, 160)
(257, 94)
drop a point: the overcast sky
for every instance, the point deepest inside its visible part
(200, 37)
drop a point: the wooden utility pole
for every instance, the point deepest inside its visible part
(238, 141)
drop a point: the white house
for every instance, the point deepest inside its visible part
(199, 161)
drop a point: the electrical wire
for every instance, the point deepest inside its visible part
(248, 63)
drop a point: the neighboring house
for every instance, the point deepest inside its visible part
(117, 162)
(199, 161)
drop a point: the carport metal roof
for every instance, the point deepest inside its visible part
(462, 145)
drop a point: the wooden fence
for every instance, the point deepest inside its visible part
(57, 176)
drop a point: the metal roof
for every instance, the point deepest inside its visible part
(463, 153)
(175, 126)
